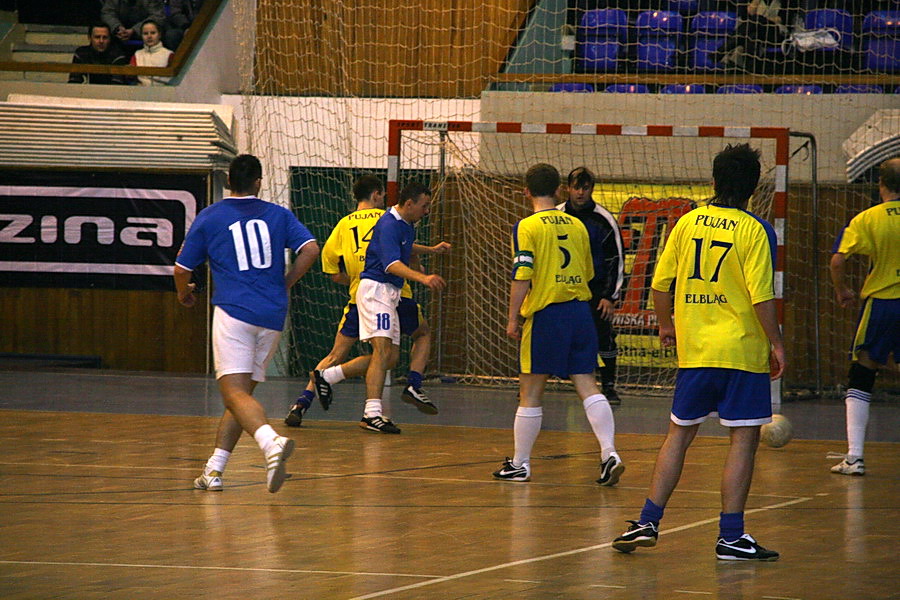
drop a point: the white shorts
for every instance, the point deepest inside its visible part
(377, 305)
(240, 347)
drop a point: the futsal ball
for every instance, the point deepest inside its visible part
(777, 433)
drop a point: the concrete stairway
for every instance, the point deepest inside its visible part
(42, 43)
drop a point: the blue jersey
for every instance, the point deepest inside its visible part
(392, 241)
(244, 240)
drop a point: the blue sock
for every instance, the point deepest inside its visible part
(305, 399)
(651, 513)
(731, 526)
(414, 378)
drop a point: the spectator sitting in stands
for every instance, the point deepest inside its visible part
(98, 52)
(153, 54)
(181, 14)
(760, 26)
(124, 17)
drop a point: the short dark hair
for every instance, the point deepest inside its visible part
(243, 172)
(94, 26)
(153, 21)
(412, 191)
(542, 180)
(365, 186)
(580, 177)
(735, 175)
(889, 175)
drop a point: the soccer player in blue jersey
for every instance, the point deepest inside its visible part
(343, 258)
(550, 314)
(717, 270)
(378, 294)
(244, 239)
(875, 232)
(608, 253)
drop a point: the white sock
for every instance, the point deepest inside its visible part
(373, 408)
(600, 416)
(334, 374)
(265, 436)
(857, 403)
(218, 461)
(526, 428)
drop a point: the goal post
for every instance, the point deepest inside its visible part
(647, 176)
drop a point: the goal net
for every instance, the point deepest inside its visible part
(647, 177)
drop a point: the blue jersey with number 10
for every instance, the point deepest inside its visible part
(244, 240)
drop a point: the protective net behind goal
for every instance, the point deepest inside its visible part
(647, 177)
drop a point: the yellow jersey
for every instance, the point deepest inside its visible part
(722, 262)
(875, 232)
(345, 249)
(552, 250)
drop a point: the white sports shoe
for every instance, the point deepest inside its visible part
(857, 467)
(275, 468)
(211, 482)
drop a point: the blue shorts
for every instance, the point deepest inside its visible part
(408, 310)
(741, 398)
(560, 340)
(878, 331)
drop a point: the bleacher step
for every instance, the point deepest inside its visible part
(56, 39)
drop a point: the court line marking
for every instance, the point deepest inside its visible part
(202, 568)
(779, 598)
(691, 592)
(535, 559)
(600, 585)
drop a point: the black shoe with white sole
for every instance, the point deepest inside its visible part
(323, 389)
(379, 424)
(743, 548)
(638, 534)
(419, 398)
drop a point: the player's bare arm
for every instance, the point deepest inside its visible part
(845, 295)
(305, 259)
(768, 318)
(434, 282)
(518, 289)
(663, 303)
(439, 248)
(341, 278)
(184, 287)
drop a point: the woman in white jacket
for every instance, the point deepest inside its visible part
(153, 54)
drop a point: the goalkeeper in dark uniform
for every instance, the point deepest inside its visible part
(608, 255)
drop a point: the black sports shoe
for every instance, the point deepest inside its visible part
(510, 472)
(323, 388)
(378, 423)
(639, 534)
(419, 398)
(295, 417)
(610, 470)
(609, 390)
(743, 548)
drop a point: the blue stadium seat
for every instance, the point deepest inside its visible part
(680, 88)
(832, 18)
(799, 89)
(600, 39)
(858, 89)
(710, 30)
(740, 88)
(658, 38)
(572, 87)
(628, 88)
(881, 41)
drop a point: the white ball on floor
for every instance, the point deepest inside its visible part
(777, 433)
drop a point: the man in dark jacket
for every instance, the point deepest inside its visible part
(607, 252)
(98, 52)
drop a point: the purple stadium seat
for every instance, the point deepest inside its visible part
(881, 35)
(740, 88)
(628, 88)
(858, 89)
(600, 39)
(680, 88)
(799, 89)
(658, 38)
(710, 30)
(572, 87)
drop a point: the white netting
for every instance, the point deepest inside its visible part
(477, 178)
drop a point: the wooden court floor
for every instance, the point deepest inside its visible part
(101, 506)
